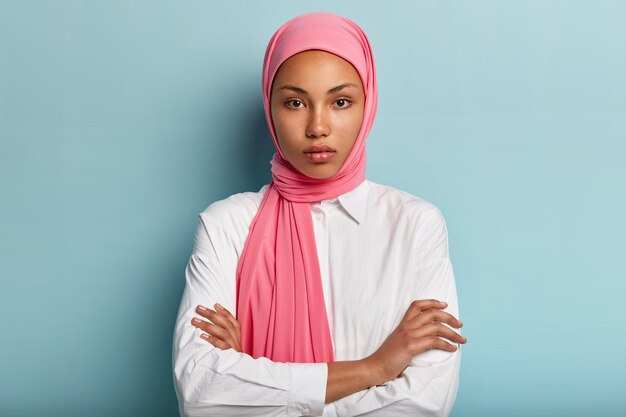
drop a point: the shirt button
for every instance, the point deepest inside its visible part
(318, 216)
(305, 411)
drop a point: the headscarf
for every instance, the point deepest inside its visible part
(280, 298)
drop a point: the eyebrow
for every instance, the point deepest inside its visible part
(331, 91)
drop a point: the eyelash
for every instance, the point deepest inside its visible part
(349, 102)
(289, 103)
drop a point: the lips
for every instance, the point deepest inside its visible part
(318, 149)
(319, 153)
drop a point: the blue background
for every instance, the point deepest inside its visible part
(120, 121)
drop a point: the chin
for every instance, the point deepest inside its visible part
(320, 173)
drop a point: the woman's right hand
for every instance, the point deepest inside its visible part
(222, 329)
(422, 328)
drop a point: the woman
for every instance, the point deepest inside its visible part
(342, 289)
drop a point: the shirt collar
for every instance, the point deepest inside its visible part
(354, 201)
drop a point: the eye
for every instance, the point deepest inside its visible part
(343, 103)
(294, 103)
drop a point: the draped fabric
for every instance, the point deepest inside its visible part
(280, 299)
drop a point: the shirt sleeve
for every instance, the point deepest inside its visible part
(428, 386)
(214, 382)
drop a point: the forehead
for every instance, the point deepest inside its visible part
(316, 67)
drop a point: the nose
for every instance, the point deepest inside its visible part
(318, 124)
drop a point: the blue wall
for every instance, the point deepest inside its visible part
(120, 121)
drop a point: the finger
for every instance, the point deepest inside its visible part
(213, 316)
(441, 330)
(433, 342)
(417, 306)
(223, 310)
(221, 319)
(218, 343)
(434, 315)
(232, 320)
(227, 314)
(227, 317)
(200, 324)
(214, 330)
(204, 311)
(233, 324)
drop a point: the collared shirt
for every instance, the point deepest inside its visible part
(379, 249)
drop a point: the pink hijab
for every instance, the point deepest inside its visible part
(280, 299)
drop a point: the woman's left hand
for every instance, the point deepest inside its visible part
(222, 329)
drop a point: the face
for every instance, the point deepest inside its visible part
(317, 103)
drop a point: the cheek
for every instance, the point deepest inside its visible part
(279, 128)
(288, 128)
(353, 130)
(285, 137)
(282, 133)
(351, 124)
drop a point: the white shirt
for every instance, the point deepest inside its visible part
(379, 249)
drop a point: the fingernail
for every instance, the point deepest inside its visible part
(195, 321)
(205, 336)
(203, 308)
(219, 307)
(443, 303)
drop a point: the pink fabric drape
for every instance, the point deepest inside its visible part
(280, 299)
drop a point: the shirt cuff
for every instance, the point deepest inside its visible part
(307, 389)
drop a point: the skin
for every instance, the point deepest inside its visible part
(317, 100)
(422, 328)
